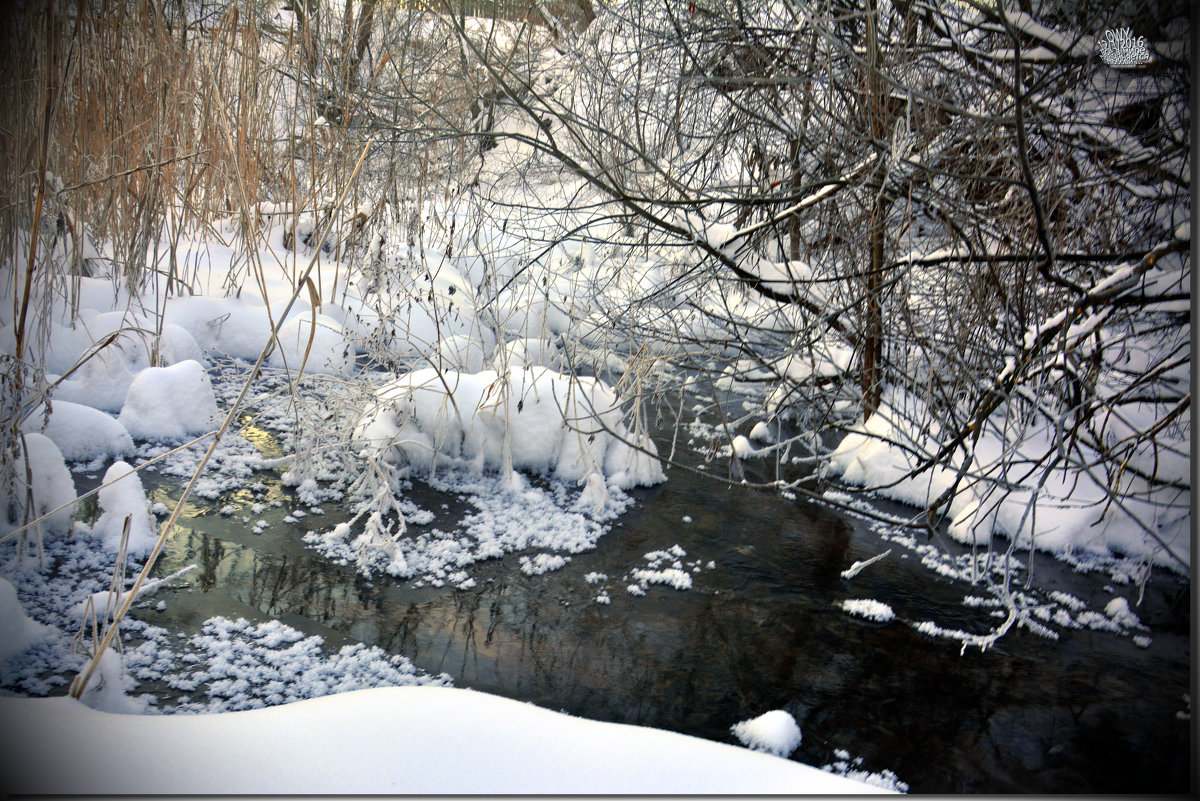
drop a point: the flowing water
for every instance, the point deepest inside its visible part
(760, 629)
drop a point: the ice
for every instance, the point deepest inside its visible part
(673, 574)
(850, 768)
(774, 732)
(542, 563)
(168, 404)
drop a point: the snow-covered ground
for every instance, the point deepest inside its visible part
(390, 740)
(479, 374)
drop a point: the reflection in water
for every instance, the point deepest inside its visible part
(761, 631)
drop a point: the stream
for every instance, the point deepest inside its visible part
(759, 629)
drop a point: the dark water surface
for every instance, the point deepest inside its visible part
(1091, 712)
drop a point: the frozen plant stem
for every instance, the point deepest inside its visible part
(81, 681)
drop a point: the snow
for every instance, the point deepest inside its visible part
(845, 766)
(18, 631)
(121, 497)
(411, 740)
(499, 392)
(542, 563)
(236, 665)
(52, 486)
(107, 689)
(82, 433)
(773, 732)
(568, 427)
(1070, 510)
(328, 352)
(672, 575)
(167, 404)
(869, 609)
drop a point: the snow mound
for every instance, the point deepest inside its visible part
(82, 433)
(52, 486)
(18, 631)
(774, 732)
(329, 353)
(169, 403)
(125, 497)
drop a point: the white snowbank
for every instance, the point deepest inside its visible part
(125, 498)
(774, 732)
(80, 432)
(412, 740)
(1070, 513)
(169, 403)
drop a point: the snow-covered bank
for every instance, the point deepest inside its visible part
(387, 740)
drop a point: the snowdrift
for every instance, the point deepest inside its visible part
(420, 740)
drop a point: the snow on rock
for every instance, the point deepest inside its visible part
(80, 432)
(178, 345)
(761, 432)
(774, 732)
(169, 403)
(52, 486)
(124, 497)
(469, 743)
(18, 631)
(548, 422)
(869, 609)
